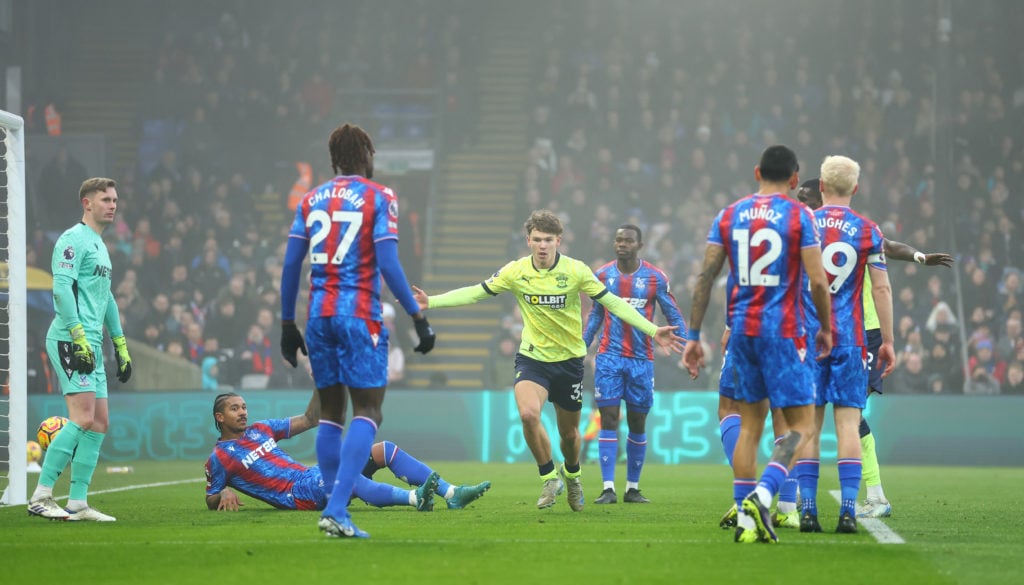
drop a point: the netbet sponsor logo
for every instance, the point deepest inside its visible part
(635, 303)
(254, 455)
(550, 301)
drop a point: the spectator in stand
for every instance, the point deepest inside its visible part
(985, 358)
(1014, 380)
(909, 377)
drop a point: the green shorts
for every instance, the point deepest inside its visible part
(71, 382)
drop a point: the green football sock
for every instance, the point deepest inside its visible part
(869, 461)
(59, 453)
(83, 464)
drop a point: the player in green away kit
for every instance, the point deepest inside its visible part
(83, 303)
(549, 364)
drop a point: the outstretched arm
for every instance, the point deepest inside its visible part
(908, 253)
(466, 295)
(693, 354)
(310, 419)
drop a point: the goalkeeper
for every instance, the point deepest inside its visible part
(83, 304)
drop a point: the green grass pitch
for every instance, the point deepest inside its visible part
(960, 525)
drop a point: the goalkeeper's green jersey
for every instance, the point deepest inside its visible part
(870, 315)
(550, 303)
(81, 284)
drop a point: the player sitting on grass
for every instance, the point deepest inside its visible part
(248, 459)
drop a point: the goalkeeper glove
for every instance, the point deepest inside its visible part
(124, 361)
(84, 360)
(291, 343)
(426, 334)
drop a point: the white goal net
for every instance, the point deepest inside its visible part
(13, 311)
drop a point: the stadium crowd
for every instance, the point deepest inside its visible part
(644, 113)
(199, 271)
(657, 118)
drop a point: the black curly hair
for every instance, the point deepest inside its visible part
(351, 150)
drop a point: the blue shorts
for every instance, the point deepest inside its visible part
(347, 350)
(621, 378)
(776, 368)
(727, 378)
(71, 382)
(874, 370)
(563, 380)
(842, 377)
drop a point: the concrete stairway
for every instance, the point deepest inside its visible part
(475, 203)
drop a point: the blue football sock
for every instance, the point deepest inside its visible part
(328, 451)
(636, 451)
(608, 450)
(773, 477)
(730, 430)
(380, 494)
(849, 484)
(355, 449)
(409, 469)
(741, 488)
(807, 474)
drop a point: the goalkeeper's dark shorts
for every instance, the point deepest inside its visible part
(563, 380)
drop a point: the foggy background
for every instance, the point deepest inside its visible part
(647, 112)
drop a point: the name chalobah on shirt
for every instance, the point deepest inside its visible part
(550, 301)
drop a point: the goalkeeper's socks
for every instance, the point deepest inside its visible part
(636, 452)
(59, 453)
(849, 484)
(807, 474)
(407, 468)
(608, 451)
(729, 427)
(83, 464)
(355, 448)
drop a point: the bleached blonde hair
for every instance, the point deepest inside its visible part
(839, 175)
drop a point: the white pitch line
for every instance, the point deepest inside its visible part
(882, 533)
(139, 487)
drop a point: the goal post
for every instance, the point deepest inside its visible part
(13, 312)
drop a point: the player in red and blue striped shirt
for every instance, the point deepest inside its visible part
(769, 240)
(349, 228)
(624, 368)
(851, 245)
(248, 458)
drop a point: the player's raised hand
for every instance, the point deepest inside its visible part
(422, 298)
(938, 259)
(291, 343)
(667, 339)
(887, 355)
(693, 358)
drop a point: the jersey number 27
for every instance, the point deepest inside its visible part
(350, 222)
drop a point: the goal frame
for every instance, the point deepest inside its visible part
(16, 488)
